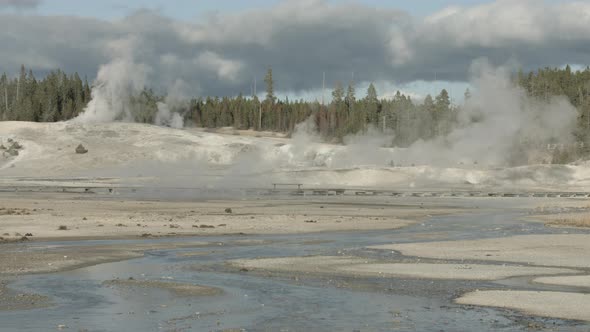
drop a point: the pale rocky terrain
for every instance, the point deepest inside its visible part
(138, 153)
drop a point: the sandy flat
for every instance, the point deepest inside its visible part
(14, 262)
(193, 254)
(548, 304)
(305, 264)
(575, 281)
(450, 271)
(10, 300)
(179, 289)
(567, 250)
(60, 217)
(355, 266)
(16, 259)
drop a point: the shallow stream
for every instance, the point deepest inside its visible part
(256, 302)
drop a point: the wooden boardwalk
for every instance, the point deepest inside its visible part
(286, 191)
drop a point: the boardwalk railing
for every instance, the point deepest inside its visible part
(275, 185)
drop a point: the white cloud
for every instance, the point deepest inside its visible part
(225, 69)
(20, 4)
(302, 39)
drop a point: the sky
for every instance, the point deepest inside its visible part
(193, 9)
(199, 47)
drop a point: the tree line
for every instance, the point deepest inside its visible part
(345, 114)
(59, 96)
(56, 97)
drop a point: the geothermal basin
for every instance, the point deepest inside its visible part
(155, 229)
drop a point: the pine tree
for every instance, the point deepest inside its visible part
(4, 105)
(372, 94)
(429, 103)
(270, 94)
(338, 94)
(350, 98)
(443, 102)
(372, 106)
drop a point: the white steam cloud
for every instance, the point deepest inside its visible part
(116, 82)
(176, 98)
(167, 118)
(122, 79)
(499, 126)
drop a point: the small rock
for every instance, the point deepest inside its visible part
(228, 210)
(15, 146)
(80, 149)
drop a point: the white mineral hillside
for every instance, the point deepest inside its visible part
(192, 157)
